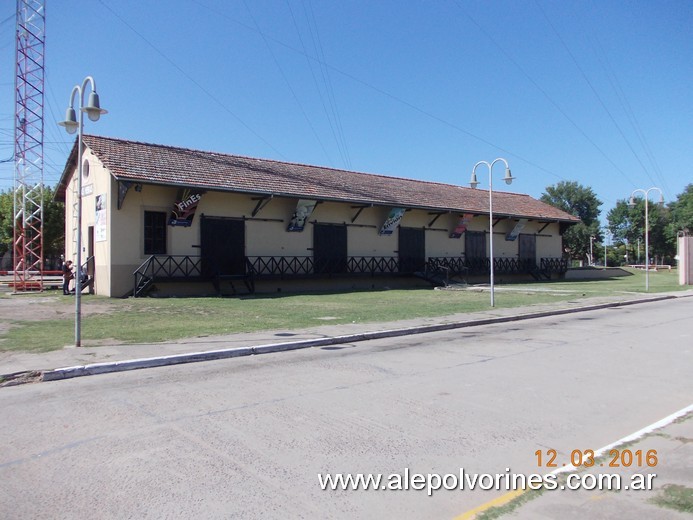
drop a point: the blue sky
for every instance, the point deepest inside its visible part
(592, 91)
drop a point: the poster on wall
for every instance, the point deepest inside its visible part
(461, 226)
(304, 208)
(101, 218)
(185, 207)
(392, 221)
(513, 234)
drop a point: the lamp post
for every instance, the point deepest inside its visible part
(474, 183)
(631, 203)
(591, 251)
(607, 234)
(72, 125)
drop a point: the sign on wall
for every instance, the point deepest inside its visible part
(461, 225)
(304, 208)
(392, 221)
(513, 234)
(101, 220)
(184, 210)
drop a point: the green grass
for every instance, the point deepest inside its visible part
(660, 281)
(147, 320)
(679, 498)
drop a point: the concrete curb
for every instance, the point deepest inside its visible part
(195, 357)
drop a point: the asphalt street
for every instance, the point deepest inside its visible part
(247, 437)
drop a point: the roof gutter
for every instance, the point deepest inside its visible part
(347, 201)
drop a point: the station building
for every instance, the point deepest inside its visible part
(165, 220)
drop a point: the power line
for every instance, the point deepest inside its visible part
(627, 108)
(391, 96)
(594, 90)
(192, 80)
(288, 83)
(546, 94)
(341, 147)
(329, 89)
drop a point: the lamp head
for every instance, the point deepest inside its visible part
(70, 122)
(631, 202)
(508, 176)
(661, 198)
(474, 182)
(93, 108)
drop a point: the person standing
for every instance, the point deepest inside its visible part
(67, 276)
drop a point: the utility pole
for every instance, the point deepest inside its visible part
(28, 149)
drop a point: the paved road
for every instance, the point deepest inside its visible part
(246, 438)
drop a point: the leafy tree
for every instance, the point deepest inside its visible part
(626, 223)
(681, 213)
(628, 226)
(581, 202)
(53, 223)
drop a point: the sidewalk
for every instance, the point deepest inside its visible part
(91, 360)
(670, 498)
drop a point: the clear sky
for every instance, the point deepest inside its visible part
(594, 91)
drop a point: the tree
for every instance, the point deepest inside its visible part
(53, 223)
(628, 226)
(681, 213)
(579, 201)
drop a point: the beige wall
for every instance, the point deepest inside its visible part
(123, 250)
(685, 260)
(96, 182)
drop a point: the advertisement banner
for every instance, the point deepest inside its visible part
(461, 225)
(512, 235)
(304, 208)
(392, 221)
(184, 210)
(101, 218)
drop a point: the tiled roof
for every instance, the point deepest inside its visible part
(167, 165)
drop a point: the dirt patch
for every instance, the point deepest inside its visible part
(25, 307)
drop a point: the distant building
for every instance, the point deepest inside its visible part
(154, 215)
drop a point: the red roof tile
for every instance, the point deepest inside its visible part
(167, 165)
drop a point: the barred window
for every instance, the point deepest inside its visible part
(154, 233)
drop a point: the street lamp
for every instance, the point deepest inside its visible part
(631, 203)
(591, 251)
(607, 234)
(474, 183)
(72, 125)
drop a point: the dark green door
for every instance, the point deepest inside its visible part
(475, 252)
(527, 252)
(412, 250)
(223, 246)
(329, 249)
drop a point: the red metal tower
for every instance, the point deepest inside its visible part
(28, 179)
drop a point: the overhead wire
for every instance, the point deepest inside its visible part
(612, 78)
(10, 117)
(544, 92)
(327, 80)
(315, 82)
(63, 143)
(594, 90)
(330, 121)
(391, 96)
(192, 80)
(330, 114)
(288, 83)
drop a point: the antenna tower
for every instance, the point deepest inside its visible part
(28, 149)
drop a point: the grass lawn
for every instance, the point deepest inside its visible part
(147, 320)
